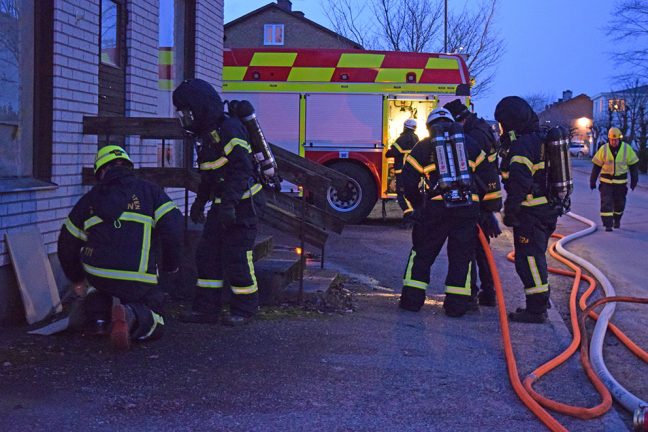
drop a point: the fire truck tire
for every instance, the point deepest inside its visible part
(355, 203)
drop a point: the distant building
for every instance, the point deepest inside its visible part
(574, 113)
(276, 25)
(626, 109)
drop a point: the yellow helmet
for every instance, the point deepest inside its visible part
(109, 154)
(615, 133)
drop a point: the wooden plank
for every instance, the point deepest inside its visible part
(34, 274)
(313, 215)
(286, 222)
(158, 127)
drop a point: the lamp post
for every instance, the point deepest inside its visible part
(445, 28)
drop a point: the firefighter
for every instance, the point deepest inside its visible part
(490, 192)
(613, 161)
(107, 239)
(399, 150)
(224, 253)
(527, 207)
(434, 222)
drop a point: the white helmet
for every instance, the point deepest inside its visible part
(439, 113)
(410, 124)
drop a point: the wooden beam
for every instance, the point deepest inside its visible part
(150, 127)
(313, 215)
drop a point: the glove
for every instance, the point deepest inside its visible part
(226, 214)
(593, 185)
(511, 218)
(197, 212)
(633, 183)
(489, 224)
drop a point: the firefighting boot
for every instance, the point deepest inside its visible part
(487, 298)
(524, 316)
(617, 223)
(123, 319)
(234, 320)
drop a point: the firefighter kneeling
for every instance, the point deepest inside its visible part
(228, 180)
(446, 207)
(107, 239)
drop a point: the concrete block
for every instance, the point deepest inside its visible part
(316, 283)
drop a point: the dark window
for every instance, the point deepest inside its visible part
(26, 93)
(110, 30)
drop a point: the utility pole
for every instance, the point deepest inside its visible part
(445, 29)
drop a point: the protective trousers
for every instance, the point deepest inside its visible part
(145, 300)
(224, 253)
(531, 239)
(403, 203)
(613, 201)
(485, 276)
(437, 224)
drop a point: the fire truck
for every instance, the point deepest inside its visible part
(343, 108)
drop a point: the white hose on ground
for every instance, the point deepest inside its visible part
(620, 393)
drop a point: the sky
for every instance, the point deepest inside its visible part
(551, 45)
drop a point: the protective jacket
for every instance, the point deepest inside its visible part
(227, 171)
(613, 164)
(110, 231)
(401, 148)
(488, 182)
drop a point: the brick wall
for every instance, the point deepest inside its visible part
(297, 32)
(75, 91)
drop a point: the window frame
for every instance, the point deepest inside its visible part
(274, 28)
(41, 176)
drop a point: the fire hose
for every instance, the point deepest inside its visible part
(598, 374)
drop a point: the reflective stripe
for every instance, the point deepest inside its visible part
(398, 171)
(157, 319)
(250, 289)
(136, 217)
(233, 143)
(210, 283)
(479, 160)
(475, 197)
(522, 160)
(613, 181)
(89, 223)
(429, 168)
(407, 280)
(409, 206)
(537, 289)
(164, 209)
(492, 157)
(121, 274)
(505, 175)
(618, 213)
(147, 223)
(213, 164)
(76, 232)
(532, 201)
(493, 195)
(415, 164)
(252, 191)
(397, 147)
(535, 273)
(465, 290)
(607, 214)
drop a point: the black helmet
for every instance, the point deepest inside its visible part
(515, 114)
(198, 105)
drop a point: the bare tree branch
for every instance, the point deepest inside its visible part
(630, 23)
(415, 25)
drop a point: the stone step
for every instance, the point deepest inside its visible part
(274, 273)
(316, 283)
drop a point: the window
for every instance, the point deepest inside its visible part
(25, 121)
(273, 34)
(109, 33)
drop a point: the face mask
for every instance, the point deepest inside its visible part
(186, 119)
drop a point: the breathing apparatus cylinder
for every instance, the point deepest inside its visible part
(452, 164)
(560, 181)
(640, 419)
(260, 148)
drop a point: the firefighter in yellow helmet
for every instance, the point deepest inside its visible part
(612, 162)
(399, 151)
(107, 240)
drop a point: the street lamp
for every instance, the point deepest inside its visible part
(583, 122)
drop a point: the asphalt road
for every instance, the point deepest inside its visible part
(377, 369)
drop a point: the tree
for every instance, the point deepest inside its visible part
(630, 23)
(415, 25)
(538, 101)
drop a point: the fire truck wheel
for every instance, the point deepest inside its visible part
(354, 203)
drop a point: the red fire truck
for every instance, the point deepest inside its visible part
(343, 108)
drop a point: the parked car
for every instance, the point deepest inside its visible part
(578, 149)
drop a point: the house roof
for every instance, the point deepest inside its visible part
(296, 15)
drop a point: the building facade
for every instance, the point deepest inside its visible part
(61, 60)
(276, 25)
(626, 109)
(574, 113)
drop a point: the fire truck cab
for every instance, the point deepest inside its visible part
(344, 108)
